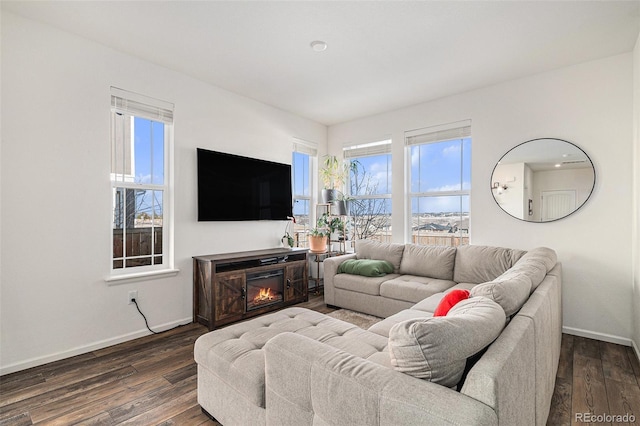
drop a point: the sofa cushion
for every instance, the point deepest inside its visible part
(436, 349)
(511, 290)
(366, 267)
(411, 288)
(479, 264)
(360, 284)
(371, 249)
(429, 304)
(383, 327)
(428, 261)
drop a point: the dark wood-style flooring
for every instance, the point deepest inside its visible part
(152, 381)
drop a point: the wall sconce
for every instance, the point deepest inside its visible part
(499, 188)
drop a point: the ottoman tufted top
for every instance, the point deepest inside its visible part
(235, 355)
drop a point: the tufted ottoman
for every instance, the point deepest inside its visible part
(231, 362)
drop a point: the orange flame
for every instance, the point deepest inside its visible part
(264, 295)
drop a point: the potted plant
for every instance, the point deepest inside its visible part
(334, 225)
(287, 239)
(319, 236)
(334, 174)
(341, 204)
(318, 240)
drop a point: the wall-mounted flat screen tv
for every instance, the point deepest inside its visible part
(232, 187)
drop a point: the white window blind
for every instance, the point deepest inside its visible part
(305, 147)
(126, 102)
(445, 132)
(368, 149)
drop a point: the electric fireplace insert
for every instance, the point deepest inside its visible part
(264, 289)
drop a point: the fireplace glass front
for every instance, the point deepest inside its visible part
(264, 289)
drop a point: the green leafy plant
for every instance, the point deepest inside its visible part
(326, 225)
(322, 228)
(335, 224)
(289, 239)
(319, 232)
(287, 235)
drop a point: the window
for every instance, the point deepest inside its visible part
(370, 189)
(141, 130)
(439, 184)
(301, 170)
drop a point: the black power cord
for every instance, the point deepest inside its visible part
(145, 318)
(147, 323)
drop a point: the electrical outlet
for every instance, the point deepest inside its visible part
(133, 294)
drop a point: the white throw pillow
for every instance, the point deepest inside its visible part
(436, 349)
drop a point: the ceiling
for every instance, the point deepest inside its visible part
(381, 55)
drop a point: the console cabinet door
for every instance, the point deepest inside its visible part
(296, 284)
(229, 295)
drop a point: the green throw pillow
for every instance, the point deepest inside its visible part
(366, 267)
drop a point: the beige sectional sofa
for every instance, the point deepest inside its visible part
(298, 366)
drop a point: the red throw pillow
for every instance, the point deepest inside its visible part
(449, 301)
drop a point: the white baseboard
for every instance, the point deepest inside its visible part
(599, 336)
(34, 362)
(636, 349)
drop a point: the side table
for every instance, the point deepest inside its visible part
(318, 258)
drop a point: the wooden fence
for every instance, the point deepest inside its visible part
(138, 243)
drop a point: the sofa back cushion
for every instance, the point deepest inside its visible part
(371, 249)
(512, 288)
(510, 291)
(436, 349)
(428, 261)
(536, 263)
(479, 264)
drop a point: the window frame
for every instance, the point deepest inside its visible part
(431, 135)
(310, 150)
(379, 147)
(132, 105)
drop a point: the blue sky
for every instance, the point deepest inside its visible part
(149, 162)
(441, 166)
(438, 166)
(300, 174)
(149, 152)
(380, 170)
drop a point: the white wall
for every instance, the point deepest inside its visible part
(636, 198)
(590, 105)
(55, 217)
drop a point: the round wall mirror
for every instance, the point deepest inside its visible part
(543, 180)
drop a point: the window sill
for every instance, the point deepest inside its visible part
(141, 276)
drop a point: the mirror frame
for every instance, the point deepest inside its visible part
(495, 186)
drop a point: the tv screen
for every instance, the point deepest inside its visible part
(231, 187)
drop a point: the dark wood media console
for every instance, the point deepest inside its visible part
(233, 286)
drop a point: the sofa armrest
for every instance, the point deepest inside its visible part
(309, 382)
(330, 270)
(505, 377)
